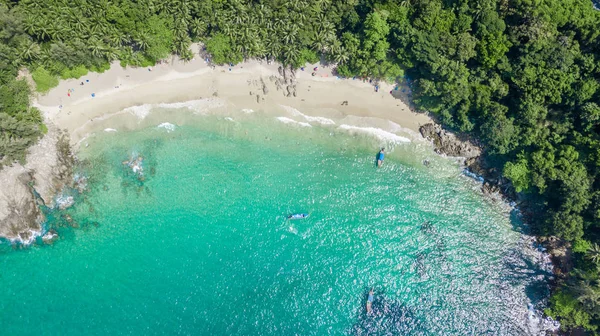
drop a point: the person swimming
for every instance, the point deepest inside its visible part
(380, 157)
(370, 300)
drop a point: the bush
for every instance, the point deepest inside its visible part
(567, 308)
(43, 128)
(581, 246)
(220, 48)
(101, 67)
(518, 173)
(306, 56)
(76, 72)
(44, 80)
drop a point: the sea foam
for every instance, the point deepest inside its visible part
(286, 120)
(377, 133)
(167, 126)
(33, 234)
(197, 106)
(108, 130)
(296, 113)
(140, 111)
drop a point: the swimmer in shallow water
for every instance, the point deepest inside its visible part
(370, 300)
(380, 157)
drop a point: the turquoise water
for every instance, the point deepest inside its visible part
(197, 242)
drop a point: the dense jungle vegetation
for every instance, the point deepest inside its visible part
(520, 75)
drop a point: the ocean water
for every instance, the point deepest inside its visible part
(183, 230)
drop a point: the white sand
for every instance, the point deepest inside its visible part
(130, 91)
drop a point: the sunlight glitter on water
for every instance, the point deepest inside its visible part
(201, 243)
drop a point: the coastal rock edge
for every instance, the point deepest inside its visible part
(447, 143)
(27, 188)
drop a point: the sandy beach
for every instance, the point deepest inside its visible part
(83, 105)
(125, 98)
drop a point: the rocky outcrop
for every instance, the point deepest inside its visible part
(25, 188)
(496, 187)
(20, 215)
(561, 254)
(447, 143)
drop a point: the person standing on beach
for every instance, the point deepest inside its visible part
(380, 157)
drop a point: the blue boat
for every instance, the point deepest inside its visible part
(298, 216)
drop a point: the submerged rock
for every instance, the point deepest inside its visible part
(50, 236)
(135, 162)
(64, 201)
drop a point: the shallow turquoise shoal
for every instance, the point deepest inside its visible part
(197, 242)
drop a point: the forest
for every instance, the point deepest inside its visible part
(521, 76)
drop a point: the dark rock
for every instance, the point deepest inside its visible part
(50, 236)
(447, 143)
(560, 251)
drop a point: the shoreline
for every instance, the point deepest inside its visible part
(124, 96)
(252, 84)
(78, 107)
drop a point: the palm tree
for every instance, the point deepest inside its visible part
(273, 47)
(290, 54)
(229, 30)
(198, 27)
(30, 24)
(339, 55)
(29, 51)
(41, 31)
(98, 27)
(258, 49)
(587, 293)
(141, 41)
(289, 35)
(77, 25)
(96, 47)
(118, 39)
(182, 44)
(55, 31)
(318, 40)
(186, 54)
(127, 55)
(323, 4)
(110, 53)
(405, 3)
(46, 56)
(33, 5)
(593, 253)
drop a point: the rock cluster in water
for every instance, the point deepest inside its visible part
(449, 144)
(497, 187)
